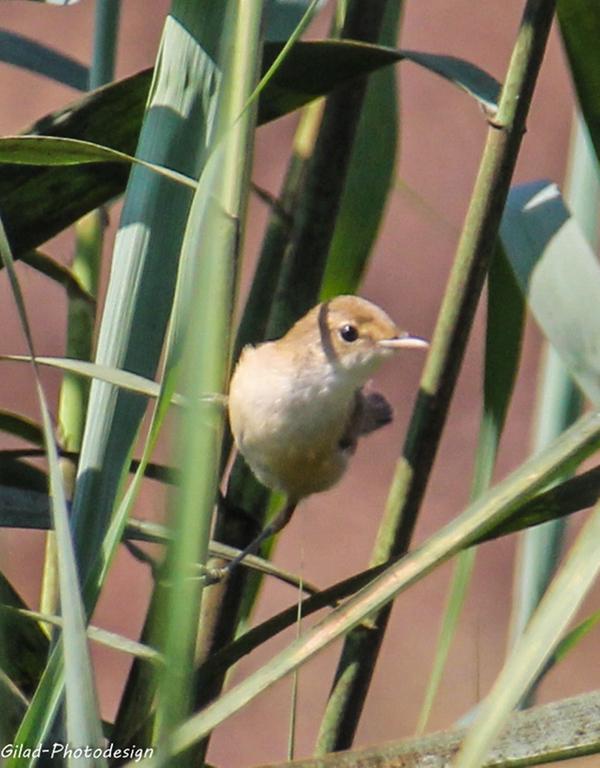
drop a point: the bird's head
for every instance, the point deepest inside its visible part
(355, 335)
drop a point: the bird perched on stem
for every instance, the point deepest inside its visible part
(297, 406)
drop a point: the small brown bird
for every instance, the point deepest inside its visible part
(297, 406)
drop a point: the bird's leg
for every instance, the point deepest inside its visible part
(276, 524)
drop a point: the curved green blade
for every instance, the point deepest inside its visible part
(37, 203)
(558, 272)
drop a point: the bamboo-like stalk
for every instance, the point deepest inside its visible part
(443, 363)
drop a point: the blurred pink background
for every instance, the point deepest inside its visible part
(331, 535)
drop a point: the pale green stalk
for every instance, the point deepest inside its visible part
(559, 400)
(144, 264)
(89, 241)
(106, 28)
(81, 314)
(202, 334)
(543, 633)
(83, 725)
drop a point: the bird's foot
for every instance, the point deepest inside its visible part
(212, 576)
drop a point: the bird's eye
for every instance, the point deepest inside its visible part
(349, 332)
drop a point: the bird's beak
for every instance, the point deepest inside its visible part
(405, 341)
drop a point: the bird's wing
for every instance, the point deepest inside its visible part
(371, 412)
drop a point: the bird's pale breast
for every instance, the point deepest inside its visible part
(288, 423)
